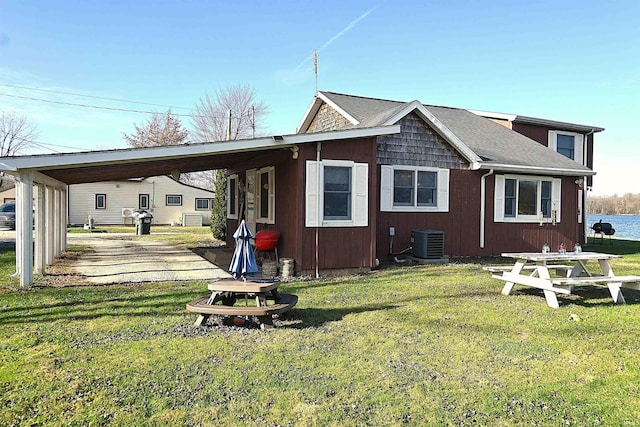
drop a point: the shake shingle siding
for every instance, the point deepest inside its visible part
(327, 119)
(417, 145)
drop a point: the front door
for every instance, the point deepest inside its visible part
(250, 200)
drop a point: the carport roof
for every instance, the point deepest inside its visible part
(107, 165)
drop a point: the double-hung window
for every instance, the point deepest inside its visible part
(337, 194)
(527, 199)
(232, 196)
(173, 200)
(143, 201)
(569, 144)
(204, 204)
(414, 189)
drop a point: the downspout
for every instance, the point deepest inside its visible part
(318, 187)
(585, 157)
(483, 196)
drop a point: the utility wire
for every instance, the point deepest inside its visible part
(94, 97)
(97, 107)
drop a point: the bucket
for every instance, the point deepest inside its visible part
(287, 267)
(269, 268)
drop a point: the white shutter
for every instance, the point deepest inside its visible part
(556, 200)
(553, 141)
(386, 188)
(361, 195)
(578, 149)
(443, 190)
(272, 196)
(580, 196)
(498, 199)
(311, 194)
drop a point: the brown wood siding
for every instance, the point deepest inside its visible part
(327, 119)
(461, 224)
(340, 247)
(537, 133)
(417, 145)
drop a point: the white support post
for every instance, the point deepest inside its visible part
(50, 224)
(56, 223)
(24, 227)
(18, 231)
(40, 250)
(64, 220)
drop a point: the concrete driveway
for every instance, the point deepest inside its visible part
(122, 258)
(125, 258)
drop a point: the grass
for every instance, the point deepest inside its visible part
(411, 345)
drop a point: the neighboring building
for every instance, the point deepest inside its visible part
(7, 191)
(113, 202)
(490, 187)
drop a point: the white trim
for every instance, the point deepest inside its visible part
(387, 177)
(499, 199)
(336, 107)
(578, 144)
(314, 206)
(535, 170)
(271, 195)
(132, 155)
(235, 193)
(494, 115)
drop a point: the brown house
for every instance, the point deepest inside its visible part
(489, 182)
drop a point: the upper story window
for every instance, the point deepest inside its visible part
(336, 194)
(569, 144)
(101, 201)
(174, 200)
(414, 189)
(527, 199)
(232, 197)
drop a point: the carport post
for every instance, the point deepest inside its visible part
(56, 222)
(40, 255)
(63, 220)
(24, 228)
(50, 224)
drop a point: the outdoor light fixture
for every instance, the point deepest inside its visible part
(580, 182)
(294, 150)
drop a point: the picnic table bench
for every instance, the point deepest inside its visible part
(539, 275)
(226, 292)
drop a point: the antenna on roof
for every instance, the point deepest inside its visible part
(315, 66)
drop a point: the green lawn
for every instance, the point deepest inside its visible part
(416, 345)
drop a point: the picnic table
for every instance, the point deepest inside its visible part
(557, 273)
(263, 294)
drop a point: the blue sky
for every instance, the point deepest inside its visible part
(563, 60)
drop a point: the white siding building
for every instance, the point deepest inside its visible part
(112, 202)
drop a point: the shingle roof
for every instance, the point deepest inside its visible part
(493, 143)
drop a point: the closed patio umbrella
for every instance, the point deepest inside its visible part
(243, 261)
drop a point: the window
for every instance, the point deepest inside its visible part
(232, 197)
(265, 195)
(204, 204)
(414, 189)
(143, 201)
(526, 199)
(337, 194)
(569, 144)
(174, 200)
(101, 201)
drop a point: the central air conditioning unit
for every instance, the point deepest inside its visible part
(428, 244)
(128, 212)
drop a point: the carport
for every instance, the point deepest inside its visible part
(44, 179)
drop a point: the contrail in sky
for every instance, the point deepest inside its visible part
(340, 34)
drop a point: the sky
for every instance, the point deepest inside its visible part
(573, 61)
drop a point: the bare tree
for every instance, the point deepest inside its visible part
(16, 134)
(211, 123)
(161, 129)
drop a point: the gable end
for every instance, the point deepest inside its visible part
(417, 145)
(327, 119)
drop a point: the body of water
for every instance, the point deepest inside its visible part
(626, 226)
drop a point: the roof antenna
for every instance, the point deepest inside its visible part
(315, 66)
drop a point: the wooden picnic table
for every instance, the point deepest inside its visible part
(263, 294)
(535, 269)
